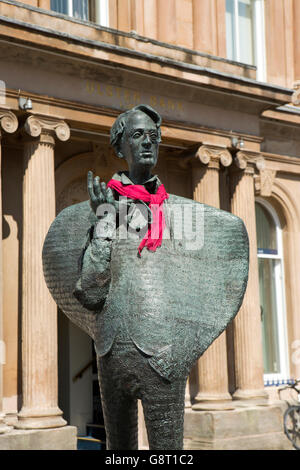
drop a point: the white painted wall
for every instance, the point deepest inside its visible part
(81, 391)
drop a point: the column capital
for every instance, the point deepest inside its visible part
(212, 156)
(248, 162)
(45, 128)
(8, 121)
(207, 155)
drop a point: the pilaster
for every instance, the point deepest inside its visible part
(209, 34)
(296, 33)
(39, 312)
(166, 21)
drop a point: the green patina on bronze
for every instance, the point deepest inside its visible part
(151, 317)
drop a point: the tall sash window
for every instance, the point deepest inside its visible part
(245, 33)
(272, 295)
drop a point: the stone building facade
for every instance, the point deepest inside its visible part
(224, 74)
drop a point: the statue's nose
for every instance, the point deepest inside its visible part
(147, 141)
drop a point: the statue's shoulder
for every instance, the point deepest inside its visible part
(81, 212)
(210, 214)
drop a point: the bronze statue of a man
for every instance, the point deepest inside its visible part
(152, 301)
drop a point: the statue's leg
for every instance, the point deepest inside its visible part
(120, 418)
(163, 405)
(119, 409)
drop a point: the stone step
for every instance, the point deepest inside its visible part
(89, 443)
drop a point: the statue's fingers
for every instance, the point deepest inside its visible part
(90, 179)
(110, 197)
(90, 185)
(103, 189)
(96, 187)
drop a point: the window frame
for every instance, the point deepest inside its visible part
(101, 12)
(281, 318)
(98, 12)
(258, 37)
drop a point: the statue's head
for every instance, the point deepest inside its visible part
(135, 136)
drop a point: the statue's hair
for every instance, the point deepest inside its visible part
(118, 126)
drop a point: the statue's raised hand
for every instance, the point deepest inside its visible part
(99, 193)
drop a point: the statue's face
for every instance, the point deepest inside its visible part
(140, 141)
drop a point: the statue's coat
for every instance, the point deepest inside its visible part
(173, 302)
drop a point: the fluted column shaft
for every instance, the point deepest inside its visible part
(9, 123)
(3, 427)
(212, 366)
(247, 324)
(39, 320)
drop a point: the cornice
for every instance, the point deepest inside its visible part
(196, 134)
(238, 85)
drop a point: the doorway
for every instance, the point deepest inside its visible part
(78, 388)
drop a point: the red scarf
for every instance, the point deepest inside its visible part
(137, 191)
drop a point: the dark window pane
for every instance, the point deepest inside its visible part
(265, 231)
(81, 9)
(61, 6)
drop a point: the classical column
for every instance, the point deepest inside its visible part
(212, 366)
(39, 312)
(247, 330)
(9, 123)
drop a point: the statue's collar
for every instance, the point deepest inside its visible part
(152, 183)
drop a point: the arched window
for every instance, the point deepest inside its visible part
(272, 295)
